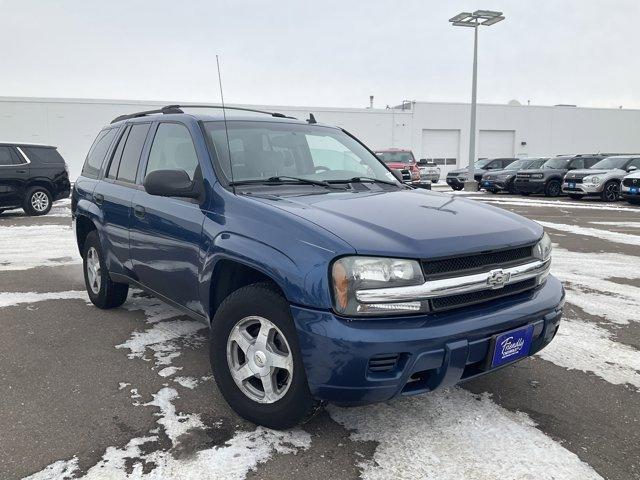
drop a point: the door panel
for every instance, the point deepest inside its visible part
(14, 174)
(165, 247)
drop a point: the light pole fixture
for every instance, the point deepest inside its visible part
(474, 20)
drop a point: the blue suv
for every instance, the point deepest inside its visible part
(321, 276)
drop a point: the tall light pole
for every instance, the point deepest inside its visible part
(474, 20)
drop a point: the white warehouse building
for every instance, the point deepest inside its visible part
(432, 130)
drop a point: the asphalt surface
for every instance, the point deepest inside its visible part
(80, 386)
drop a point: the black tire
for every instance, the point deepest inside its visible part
(494, 191)
(611, 191)
(37, 201)
(110, 294)
(573, 196)
(553, 188)
(1, 211)
(261, 300)
(434, 181)
(457, 189)
(525, 194)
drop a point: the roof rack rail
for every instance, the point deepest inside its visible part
(178, 109)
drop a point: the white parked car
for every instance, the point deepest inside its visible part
(603, 179)
(429, 171)
(630, 188)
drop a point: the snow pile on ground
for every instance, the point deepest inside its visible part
(10, 299)
(616, 237)
(455, 434)
(26, 247)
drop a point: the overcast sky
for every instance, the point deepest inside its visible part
(321, 53)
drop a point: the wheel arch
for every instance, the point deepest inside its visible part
(84, 225)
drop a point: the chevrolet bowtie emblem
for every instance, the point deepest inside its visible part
(497, 279)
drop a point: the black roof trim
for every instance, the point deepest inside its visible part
(178, 109)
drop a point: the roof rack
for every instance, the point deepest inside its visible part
(178, 109)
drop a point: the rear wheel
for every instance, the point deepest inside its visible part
(37, 201)
(103, 292)
(256, 360)
(575, 197)
(552, 189)
(611, 191)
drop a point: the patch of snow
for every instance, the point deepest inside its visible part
(123, 385)
(187, 382)
(454, 434)
(586, 279)
(155, 310)
(60, 470)
(25, 247)
(10, 299)
(587, 347)
(168, 371)
(535, 202)
(231, 461)
(619, 224)
(617, 237)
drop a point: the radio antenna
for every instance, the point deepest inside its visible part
(226, 128)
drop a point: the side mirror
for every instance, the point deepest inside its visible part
(397, 173)
(170, 183)
(422, 161)
(632, 168)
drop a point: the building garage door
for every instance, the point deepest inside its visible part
(496, 143)
(443, 147)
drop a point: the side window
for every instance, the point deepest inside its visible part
(131, 152)
(173, 149)
(117, 155)
(5, 156)
(577, 163)
(634, 163)
(97, 152)
(18, 159)
(43, 155)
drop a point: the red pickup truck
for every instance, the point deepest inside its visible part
(403, 160)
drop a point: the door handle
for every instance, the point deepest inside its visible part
(21, 171)
(98, 198)
(139, 211)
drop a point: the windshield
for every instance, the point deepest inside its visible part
(611, 162)
(481, 163)
(396, 157)
(262, 150)
(517, 165)
(557, 162)
(537, 163)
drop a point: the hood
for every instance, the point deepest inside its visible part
(477, 171)
(411, 223)
(589, 171)
(544, 171)
(501, 172)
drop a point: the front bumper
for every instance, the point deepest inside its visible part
(532, 185)
(454, 182)
(582, 188)
(434, 350)
(630, 193)
(493, 185)
(429, 177)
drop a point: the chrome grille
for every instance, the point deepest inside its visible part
(457, 301)
(469, 263)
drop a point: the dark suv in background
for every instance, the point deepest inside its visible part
(32, 177)
(456, 178)
(548, 179)
(502, 180)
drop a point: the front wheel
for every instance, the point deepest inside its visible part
(103, 292)
(553, 189)
(256, 360)
(611, 191)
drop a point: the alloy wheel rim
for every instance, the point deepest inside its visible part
(612, 192)
(554, 189)
(39, 201)
(259, 359)
(93, 270)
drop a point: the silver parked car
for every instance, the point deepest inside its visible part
(429, 171)
(602, 179)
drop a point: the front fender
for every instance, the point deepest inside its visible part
(303, 283)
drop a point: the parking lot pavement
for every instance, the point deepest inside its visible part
(127, 393)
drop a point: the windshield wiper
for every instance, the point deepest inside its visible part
(364, 180)
(282, 179)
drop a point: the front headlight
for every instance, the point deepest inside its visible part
(350, 274)
(591, 179)
(542, 251)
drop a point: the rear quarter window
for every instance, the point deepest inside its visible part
(43, 155)
(97, 152)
